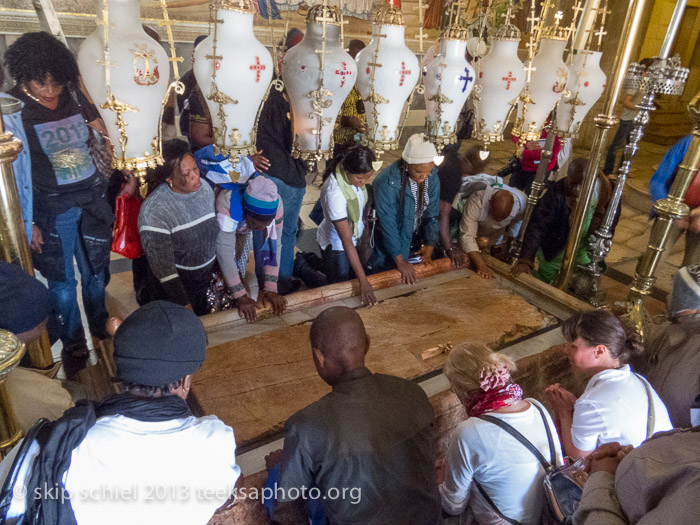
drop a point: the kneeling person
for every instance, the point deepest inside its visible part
(367, 445)
(247, 215)
(495, 212)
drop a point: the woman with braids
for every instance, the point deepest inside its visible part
(407, 197)
(617, 404)
(70, 216)
(488, 473)
(344, 198)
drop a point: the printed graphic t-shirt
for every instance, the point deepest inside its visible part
(61, 161)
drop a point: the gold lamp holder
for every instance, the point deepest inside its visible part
(11, 352)
(14, 247)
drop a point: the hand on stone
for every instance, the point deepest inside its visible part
(521, 267)
(426, 254)
(408, 272)
(247, 307)
(457, 257)
(277, 302)
(367, 292)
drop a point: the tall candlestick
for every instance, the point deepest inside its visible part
(672, 29)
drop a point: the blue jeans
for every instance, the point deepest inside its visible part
(336, 265)
(63, 294)
(291, 201)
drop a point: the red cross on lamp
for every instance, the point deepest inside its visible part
(510, 78)
(343, 73)
(403, 72)
(258, 68)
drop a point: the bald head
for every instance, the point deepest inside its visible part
(339, 342)
(574, 177)
(501, 205)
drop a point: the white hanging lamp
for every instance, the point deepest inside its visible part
(387, 75)
(548, 77)
(318, 75)
(126, 73)
(233, 71)
(449, 80)
(500, 79)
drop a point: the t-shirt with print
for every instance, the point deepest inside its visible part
(61, 161)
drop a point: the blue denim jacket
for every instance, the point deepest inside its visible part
(22, 166)
(395, 239)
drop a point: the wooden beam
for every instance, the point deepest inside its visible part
(528, 283)
(326, 294)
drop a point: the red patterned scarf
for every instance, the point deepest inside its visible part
(489, 400)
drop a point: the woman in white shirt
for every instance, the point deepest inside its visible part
(490, 476)
(344, 195)
(617, 404)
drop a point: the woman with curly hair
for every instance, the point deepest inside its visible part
(617, 405)
(70, 215)
(490, 476)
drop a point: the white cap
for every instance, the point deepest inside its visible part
(419, 150)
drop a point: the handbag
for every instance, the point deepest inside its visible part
(219, 296)
(127, 241)
(96, 143)
(101, 158)
(563, 486)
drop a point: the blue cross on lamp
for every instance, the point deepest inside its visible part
(467, 78)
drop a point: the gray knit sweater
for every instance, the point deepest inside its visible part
(178, 236)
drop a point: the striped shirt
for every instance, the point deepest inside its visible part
(178, 235)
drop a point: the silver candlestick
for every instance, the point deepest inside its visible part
(664, 77)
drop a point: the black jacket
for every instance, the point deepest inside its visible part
(275, 140)
(549, 226)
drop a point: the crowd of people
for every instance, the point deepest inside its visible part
(373, 432)
(366, 451)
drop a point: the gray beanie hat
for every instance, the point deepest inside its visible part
(685, 293)
(159, 344)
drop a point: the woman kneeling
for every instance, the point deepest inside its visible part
(617, 405)
(344, 198)
(491, 477)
